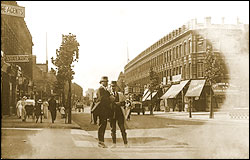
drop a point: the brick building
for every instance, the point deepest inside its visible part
(16, 55)
(179, 56)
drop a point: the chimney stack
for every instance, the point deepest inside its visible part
(222, 20)
(207, 21)
(238, 21)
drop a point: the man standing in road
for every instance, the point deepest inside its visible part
(52, 108)
(102, 109)
(118, 115)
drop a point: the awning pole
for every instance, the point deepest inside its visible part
(190, 107)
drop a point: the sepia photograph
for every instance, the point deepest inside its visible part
(124, 79)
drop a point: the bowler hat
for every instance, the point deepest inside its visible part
(113, 83)
(104, 79)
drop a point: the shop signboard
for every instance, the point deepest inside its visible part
(17, 11)
(16, 58)
(176, 78)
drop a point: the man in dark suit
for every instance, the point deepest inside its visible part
(103, 109)
(52, 108)
(118, 115)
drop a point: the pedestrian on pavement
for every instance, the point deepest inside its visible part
(52, 108)
(128, 106)
(93, 115)
(19, 108)
(23, 110)
(45, 108)
(39, 110)
(118, 115)
(102, 109)
(62, 111)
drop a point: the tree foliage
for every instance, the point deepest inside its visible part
(213, 68)
(154, 79)
(65, 56)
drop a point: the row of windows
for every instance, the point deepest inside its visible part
(186, 71)
(170, 54)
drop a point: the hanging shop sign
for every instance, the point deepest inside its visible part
(17, 11)
(16, 58)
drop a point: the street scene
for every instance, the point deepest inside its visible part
(124, 80)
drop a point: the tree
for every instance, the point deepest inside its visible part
(65, 56)
(153, 86)
(213, 72)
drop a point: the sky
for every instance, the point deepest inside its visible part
(111, 31)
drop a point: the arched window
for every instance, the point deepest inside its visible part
(190, 46)
(184, 48)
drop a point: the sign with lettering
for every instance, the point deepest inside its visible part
(16, 58)
(176, 78)
(13, 10)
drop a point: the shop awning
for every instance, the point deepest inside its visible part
(153, 95)
(146, 96)
(174, 90)
(195, 88)
(145, 92)
(5, 66)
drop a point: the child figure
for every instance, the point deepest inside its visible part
(62, 111)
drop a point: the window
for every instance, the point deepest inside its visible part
(173, 53)
(177, 51)
(180, 70)
(199, 69)
(190, 71)
(190, 47)
(180, 53)
(170, 55)
(184, 72)
(165, 57)
(184, 48)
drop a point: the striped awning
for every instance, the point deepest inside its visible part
(146, 96)
(153, 95)
(195, 88)
(174, 90)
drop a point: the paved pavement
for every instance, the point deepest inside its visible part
(14, 122)
(83, 142)
(219, 117)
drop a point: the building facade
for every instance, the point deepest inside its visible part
(180, 55)
(16, 51)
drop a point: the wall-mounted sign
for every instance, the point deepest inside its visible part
(16, 58)
(164, 81)
(13, 10)
(176, 78)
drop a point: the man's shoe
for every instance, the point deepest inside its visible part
(126, 145)
(113, 145)
(102, 145)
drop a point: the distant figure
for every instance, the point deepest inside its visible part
(45, 109)
(19, 107)
(128, 106)
(93, 115)
(62, 111)
(52, 108)
(39, 110)
(79, 106)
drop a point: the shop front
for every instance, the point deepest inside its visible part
(196, 96)
(174, 96)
